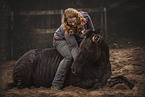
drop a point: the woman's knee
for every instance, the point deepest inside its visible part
(68, 57)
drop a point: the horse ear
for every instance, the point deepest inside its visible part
(99, 29)
(87, 32)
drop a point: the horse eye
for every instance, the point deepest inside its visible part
(95, 38)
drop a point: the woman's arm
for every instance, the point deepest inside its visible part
(89, 23)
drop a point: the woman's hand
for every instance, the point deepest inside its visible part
(83, 31)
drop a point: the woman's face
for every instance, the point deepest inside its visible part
(72, 21)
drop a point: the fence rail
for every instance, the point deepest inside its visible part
(46, 12)
(53, 12)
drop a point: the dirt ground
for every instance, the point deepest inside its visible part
(129, 62)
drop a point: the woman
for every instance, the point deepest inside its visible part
(66, 39)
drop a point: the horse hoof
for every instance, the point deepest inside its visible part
(134, 88)
(32, 87)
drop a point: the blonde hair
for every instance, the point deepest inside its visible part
(70, 13)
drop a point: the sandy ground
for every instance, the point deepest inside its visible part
(129, 62)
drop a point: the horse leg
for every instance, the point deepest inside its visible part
(120, 79)
(20, 85)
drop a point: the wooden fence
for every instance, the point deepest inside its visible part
(34, 29)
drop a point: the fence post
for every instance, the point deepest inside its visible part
(12, 27)
(105, 15)
(102, 22)
(61, 11)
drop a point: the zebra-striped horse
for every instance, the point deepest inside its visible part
(91, 70)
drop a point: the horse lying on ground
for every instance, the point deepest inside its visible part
(91, 69)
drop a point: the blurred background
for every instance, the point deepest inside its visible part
(30, 24)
